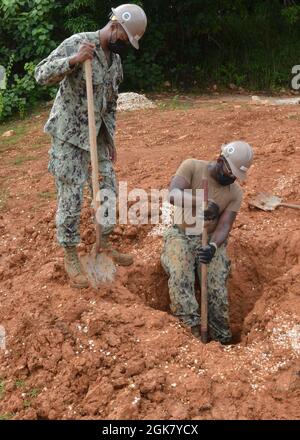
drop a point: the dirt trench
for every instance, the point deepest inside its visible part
(252, 270)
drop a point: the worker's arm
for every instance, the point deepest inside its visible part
(220, 234)
(187, 200)
(178, 185)
(223, 228)
(62, 61)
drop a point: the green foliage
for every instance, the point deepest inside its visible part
(28, 25)
(188, 44)
(136, 72)
(292, 14)
(25, 28)
(21, 93)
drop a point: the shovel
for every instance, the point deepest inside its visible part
(204, 312)
(98, 266)
(269, 202)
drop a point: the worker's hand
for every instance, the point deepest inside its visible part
(85, 52)
(212, 211)
(206, 253)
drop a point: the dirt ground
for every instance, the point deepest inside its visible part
(117, 353)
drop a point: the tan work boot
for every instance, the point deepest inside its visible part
(118, 257)
(73, 268)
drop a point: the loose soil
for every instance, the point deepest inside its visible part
(116, 352)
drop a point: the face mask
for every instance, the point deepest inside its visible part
(222, 178)
(119, 46)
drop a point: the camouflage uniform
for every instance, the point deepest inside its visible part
(68, 127)
(180, 261)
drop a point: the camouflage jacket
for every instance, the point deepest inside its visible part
(68, 119)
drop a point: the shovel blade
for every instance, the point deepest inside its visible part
(99, 268)
(265, 201)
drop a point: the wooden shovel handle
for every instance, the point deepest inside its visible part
(290, 205)
(93, 147)
(204, 311)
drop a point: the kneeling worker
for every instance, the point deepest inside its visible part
(183, 252)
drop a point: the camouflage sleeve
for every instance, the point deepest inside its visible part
(119, 79)
(55, 67)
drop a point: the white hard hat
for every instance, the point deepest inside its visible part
(239, 155)
(133, 20)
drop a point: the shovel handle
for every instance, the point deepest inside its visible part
(93, 147)
(204, 312)
(290, 205)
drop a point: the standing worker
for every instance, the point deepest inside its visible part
(68, 121)
(183, 253)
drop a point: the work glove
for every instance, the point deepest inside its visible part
(211, 213)
(206, 253)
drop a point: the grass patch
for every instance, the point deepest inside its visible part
(22, 159)
(20, 383)
(4, 195)
(294, 116)
(32, 394)
(175, 104)
(39, 145)
(26, 404)
(2, 388)
(8, 142)
(47, 195)
(220, 107)
(6, 416)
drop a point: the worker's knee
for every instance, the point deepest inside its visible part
(176, 255)
(176, 264)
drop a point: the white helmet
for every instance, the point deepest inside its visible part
(239, 156)
(133, 20)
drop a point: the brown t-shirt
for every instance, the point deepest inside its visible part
(226, 197)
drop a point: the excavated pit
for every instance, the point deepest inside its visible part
(251, 272)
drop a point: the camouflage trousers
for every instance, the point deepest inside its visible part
(180, 261)
(70, 165)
